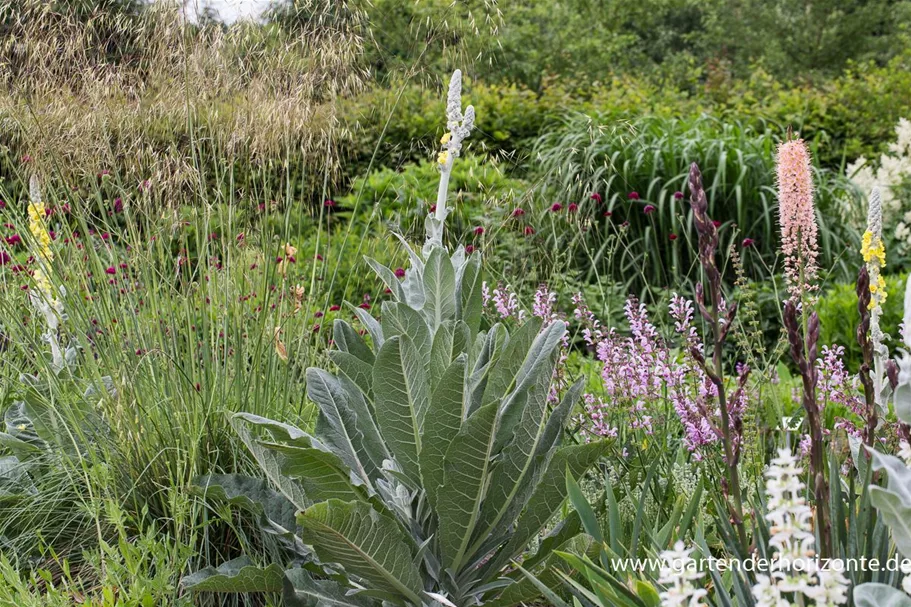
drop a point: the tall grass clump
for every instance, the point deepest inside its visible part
(628, 178)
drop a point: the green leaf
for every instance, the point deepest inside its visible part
(441, 354)
(301, 590)
(895, 514)
(880, 595)
(371, 324)
(270, 462)
(354, 369)
(467, 466)
(902, 400)
(399, 319)
(349, 426)
(349, 341)
(444, 418)
(254, 495)
(239, 575)
(388, 277)
(549, 496)
(503, 376)
(401, 392)
(586, 514)
(321, 473)
(439, 289)
(469, 303)
(368, 544)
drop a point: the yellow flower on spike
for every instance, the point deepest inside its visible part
(36, 214)
(445, 138)
(443, 158)
(873, 250)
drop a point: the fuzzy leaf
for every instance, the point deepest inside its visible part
(402, 396)
(239, 575)
(444, 418)
(399, 319)
(301, 590)
(348, 340)
(439, 289)
(469, 303)
(880, 595)
(368, 544)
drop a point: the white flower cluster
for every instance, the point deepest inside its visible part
(894, 170)
(679, 574)
(793, 569)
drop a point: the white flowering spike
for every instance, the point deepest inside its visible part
(679, 573)
(460, 126)
(793, 568)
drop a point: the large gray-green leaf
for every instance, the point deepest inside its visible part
(903, 403)
(399, 319)
(899, 481)
(530, 451)
(482, 365)
(371, 324)
(368, 544)
(548, 497)
(301, 590)
(444, 418)
(239, 575)
(469, 303)
(880, 595)
(270, 462)
(253, 495)
(401, 394)
(503, 376)
(348, 340)
(467, 466)
(321, 473)
(388, 277)
(441, 354)
(349, 425)
(896, 515)
(355, 369)
(439, 289)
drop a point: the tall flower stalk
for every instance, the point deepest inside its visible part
(460, 125)
(720, 318)
(799, 245)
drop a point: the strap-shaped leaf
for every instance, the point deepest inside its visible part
(401, 395)
(349, 424)
(439, 289)
(239, 575)
(486, 359)
(518, 472)
(388, 277)
(355, 369)
(399, 319)
(301, 590)
(469, 303)
(441, 355)
(444, 418)
(348, 340)
(467, 466)
(368, 544)
(547, 498)
(503, 376)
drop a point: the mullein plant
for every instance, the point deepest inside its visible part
(800, 248)
(436, 458)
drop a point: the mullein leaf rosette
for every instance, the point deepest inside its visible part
(436, 458)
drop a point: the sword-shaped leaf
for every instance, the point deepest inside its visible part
(469, 303)
(444, 418)
(349, 341)
(439, 289)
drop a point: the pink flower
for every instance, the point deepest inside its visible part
(797, 218)
(556, 207)
(649, 209)
(111, 270)
(469, 249)
(329, 203)
(529, 230)
(2, 204)
(596, 197)
(13, 240)
(334, 308)
(678, 195)
(518, 213)
(118, 205)
(5, 258)
(400, 272)
(747, 242)
(633, 196)
(573, 207)
(479, 230)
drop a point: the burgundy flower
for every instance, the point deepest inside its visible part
(573, 207)
(596, 197)
(118, 205)
(747, 242)
(400, 272)
(469, 249)
(649, 209)
(316, 328)
(633, 195)
(240, 237)
(364, 306)
(556, 207)
(329, 203)
(111, 270)
(518, 212)
(479, 230)
(678, 195)
(433, 208)
(607, 213)
(529, 230)
(672, 236)
(318, 314)
(625, 224)
(716, 223)
(13, 240)
(5, 258)
(334, 308)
